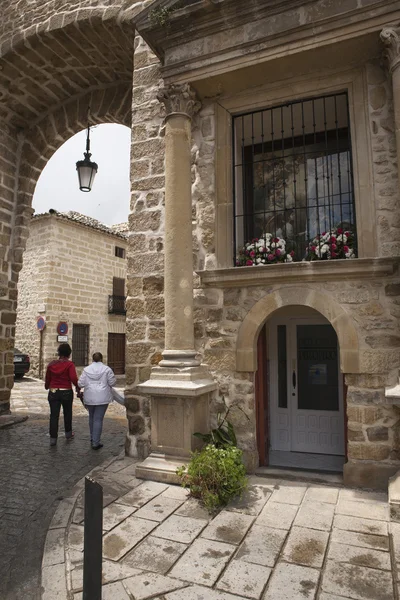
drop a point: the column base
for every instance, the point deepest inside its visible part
(180, 399)
(160, 467)
(368, 475)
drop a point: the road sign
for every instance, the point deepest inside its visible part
(62, 328)
(41, 323)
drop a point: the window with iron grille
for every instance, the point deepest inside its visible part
(293, 181)
(119, 252)
(80, 344)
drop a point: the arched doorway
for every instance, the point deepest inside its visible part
(301, 403)
(299, 343)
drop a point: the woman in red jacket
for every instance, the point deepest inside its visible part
(60, 376)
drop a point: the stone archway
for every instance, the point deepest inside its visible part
(246, 347)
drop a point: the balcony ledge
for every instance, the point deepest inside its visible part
(305, 272)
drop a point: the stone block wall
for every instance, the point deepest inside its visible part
(68, 267)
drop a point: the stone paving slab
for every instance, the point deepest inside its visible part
(306, 547)
(354, 581)
(288, 543)
(203, 562)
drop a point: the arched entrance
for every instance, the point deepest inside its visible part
(299, 357)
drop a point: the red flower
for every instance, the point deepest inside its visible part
(333, 254)
(313, 249)
(292, 253)
(252, 253)
(333, 246)
(271, 257)
(323, 233)
(249, 262)
(276, 240)
(346, 248)
(277, 252)
(340, 231)
(333, 238)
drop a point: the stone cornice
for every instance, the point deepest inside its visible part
(301, 272)
(390, 37)
(179, 99)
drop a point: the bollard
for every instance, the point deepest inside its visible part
(93, 540)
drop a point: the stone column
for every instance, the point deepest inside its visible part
(180, 104)
(179, 386)
(390, 37)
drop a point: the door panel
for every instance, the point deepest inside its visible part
(116, 352)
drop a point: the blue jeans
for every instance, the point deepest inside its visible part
(96, 416)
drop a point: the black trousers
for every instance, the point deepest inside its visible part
(58, 399)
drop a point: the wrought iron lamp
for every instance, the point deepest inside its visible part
(86, 168)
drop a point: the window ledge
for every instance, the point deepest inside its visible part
(306, 272)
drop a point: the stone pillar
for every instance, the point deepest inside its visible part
(180, 104)
(390, 37)
(179, 386)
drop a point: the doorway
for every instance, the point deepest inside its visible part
(306, 412)
(116, 352)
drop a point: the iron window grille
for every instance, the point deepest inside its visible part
(119, 252)
(117, 305)
(293, 175)
(80, 344)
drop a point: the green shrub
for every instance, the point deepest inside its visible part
(214, 475)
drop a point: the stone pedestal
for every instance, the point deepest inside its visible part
(180, 400)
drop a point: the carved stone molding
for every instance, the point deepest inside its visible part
(390, 37)
(179, 98)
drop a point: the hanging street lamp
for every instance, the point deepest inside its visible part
(86, 168)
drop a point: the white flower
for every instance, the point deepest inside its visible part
(258, 260)
(324, 248)
(288, 258)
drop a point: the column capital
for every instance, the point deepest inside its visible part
(179, 98)
(390, 36)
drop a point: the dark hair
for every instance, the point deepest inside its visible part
(64, 350)
(97, 357)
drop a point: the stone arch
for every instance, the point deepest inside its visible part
(246, 347)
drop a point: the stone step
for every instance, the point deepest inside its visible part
(299, 475)
(394, 497)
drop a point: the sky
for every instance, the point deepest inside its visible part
(58, 188)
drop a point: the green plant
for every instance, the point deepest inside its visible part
(223, 435)
(159, 17)
(214, 475)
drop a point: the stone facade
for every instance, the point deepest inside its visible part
(237, 57)
(69, 265)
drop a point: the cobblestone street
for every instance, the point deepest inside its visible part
(35, 477)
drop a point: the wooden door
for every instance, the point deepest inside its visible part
(116, 352)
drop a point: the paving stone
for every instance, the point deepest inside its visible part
(197, 592)
(363, 496)
(325, 596)
(78, 515)
(63, 512)
(362, 540)
(306, 547)
(289, 494)
(321, 493)
(142, 494)
(150, 584)
(125, 536)
(114, 514)
(114, 591)
(279, 516)
(315, 515)
(374, 559)
(361, 525)
(176, 492)
(251, 501)
(158, 509)
(244, 578)
(262, 546)
(228, 527)
(111, 572)
(357, 582)
(180, 529)
(395, 534)
(365, 510)
(155, 554)
(203, 562)
(192, 508)
(54, 547)
(54, 583)
(292, 582)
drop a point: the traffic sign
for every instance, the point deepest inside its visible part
(41, 323)
(62, 328)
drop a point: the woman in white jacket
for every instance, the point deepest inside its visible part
(97, 380)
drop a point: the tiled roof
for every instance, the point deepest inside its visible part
(120, 230)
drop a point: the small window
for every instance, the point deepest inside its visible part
(80, 345)
(120, 252)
